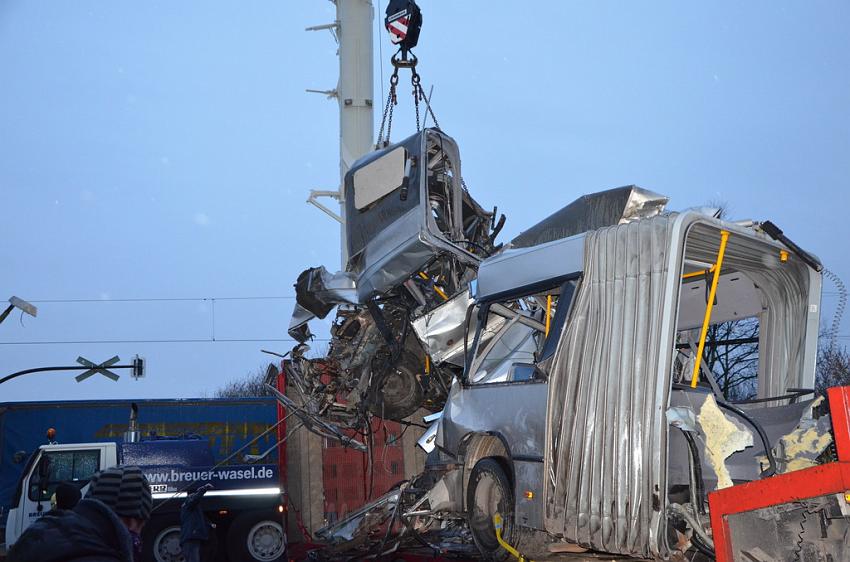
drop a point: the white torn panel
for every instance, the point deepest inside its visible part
(682, 417)
(723, 436)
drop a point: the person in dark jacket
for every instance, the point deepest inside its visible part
(66, 496)
(103, 527)
(194, 527)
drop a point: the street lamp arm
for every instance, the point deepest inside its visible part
(6, 312)
(43, 369)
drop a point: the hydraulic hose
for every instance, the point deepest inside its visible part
(697, 487)
(699, 532)
(768, 451)
(702, 547)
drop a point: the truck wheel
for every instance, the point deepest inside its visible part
(161, 542)
(256, 536)
(490, 492)
(399, 392)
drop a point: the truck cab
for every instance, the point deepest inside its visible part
(47, 468)
(407, 211)
(245, 504)
(587, 413)
(415, 237)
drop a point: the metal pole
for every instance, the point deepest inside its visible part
(355, 92)
(282, 474)
(45, 369)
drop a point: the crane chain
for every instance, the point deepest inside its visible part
(392, 100)
(387, 119)
(428, 108)
(415, 81)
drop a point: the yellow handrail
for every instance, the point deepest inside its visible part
(437, 290)
(497, 522)
(724, 237)
(698, 273)
(548, 314)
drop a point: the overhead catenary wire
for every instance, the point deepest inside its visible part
(226, 298)
(201, 340)
(833, 333)
(165, 299)
(211, 339)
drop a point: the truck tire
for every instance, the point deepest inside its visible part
(161, 540)
(398, 393)
(256, 536)
(490, 492)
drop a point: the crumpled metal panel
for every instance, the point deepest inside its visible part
(399, 252)
(428, 441)
(317, 292)
(363, 522)
(605, 462)
(298, 328)
(441, 330)
(593, 211)
(523, 267)
(395, 237)
(512, 411)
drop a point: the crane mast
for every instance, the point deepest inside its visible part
(354, 92)
(352, 30)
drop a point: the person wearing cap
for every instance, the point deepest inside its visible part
(104, 526)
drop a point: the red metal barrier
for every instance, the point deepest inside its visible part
(812, 482)
(346, 474)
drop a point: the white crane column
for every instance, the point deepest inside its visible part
(354, 92)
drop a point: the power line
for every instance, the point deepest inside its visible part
(200, 340)
(186, 299)
(211, 339)
(205, 340)
(231, 298)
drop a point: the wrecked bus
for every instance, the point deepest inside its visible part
(569, 366)
(585, 415)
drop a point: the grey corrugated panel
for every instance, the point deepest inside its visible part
(606, 473)
(607, 434)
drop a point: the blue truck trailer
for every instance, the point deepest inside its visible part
(179, 444)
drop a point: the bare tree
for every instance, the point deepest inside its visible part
(732, 355)
(253, 384)
(249, 386)
(833, 366)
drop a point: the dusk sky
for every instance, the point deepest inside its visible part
(157, 155)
